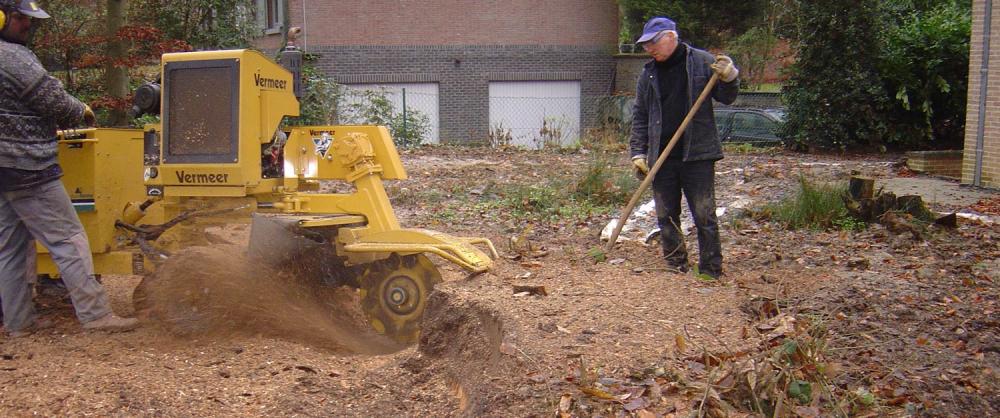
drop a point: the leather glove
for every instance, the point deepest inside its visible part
(724, 66)
(89, 118)
(641, 168)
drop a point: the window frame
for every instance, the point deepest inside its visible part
(271, 16)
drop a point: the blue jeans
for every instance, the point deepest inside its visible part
(696, 179)
(45, 213)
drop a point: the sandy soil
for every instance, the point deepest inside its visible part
(910, 322)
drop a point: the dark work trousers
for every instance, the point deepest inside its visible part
(696, 179)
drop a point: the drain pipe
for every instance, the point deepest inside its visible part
(984, 72)
(305, 27)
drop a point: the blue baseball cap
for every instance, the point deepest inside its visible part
(654, 26)
(31, 8)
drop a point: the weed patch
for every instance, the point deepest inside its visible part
(817, 206)
(600, 189)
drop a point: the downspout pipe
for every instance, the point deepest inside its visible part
(305, 27)
(984, 73)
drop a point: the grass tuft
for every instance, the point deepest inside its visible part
(818, 206)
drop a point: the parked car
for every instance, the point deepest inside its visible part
(755, 126)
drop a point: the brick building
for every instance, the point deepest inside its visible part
(981, 162)
(471, 65)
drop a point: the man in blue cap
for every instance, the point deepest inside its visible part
(667, 88)
(33, 203)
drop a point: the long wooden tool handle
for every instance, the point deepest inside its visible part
(659, 161)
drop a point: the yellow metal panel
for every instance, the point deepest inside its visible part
(301, 152)
(104, 165)
(204, 191)
(266, 96)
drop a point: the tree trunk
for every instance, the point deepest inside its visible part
(115, 74)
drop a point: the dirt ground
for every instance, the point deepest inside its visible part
(886, 323)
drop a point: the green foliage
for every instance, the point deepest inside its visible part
(813, 206)
(878, 74)
(321, 96)
(325, 102)
(614, 125)
(601, 189)
(849, 223)
(373, 107)
(705, 23)
(63, 40)
(925, 66)
(597, 254)
(800, 390)
(754, 50)
(532, 202)
(835, 97)
(604, 184)
(205, 24)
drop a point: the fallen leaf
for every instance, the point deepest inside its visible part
(508, 349)
(533, 290)
(680, 343)
(597, 393)
(807, 411)
(636, 404)
(565, 403)
(539, 253)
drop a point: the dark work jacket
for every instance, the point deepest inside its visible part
(700, 139)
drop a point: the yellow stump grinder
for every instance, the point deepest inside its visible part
(220, 144)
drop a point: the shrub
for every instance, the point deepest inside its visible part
(835, 97)
(373, 107)
(320, 99)
(605, 184)
(925, 66)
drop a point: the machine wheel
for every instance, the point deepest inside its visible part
(394, 294)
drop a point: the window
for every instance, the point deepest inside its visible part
(754, 123)
(271, 15)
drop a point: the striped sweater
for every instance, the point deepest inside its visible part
(33, 105)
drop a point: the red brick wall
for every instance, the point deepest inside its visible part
(454, 22)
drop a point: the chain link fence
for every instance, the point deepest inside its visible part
(409, 110)
(754, 118)
(560, 119)
(534, 122)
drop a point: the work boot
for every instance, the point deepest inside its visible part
(112, 322)
(38, 325)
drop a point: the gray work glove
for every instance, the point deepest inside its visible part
(724, 66)
(641, 168)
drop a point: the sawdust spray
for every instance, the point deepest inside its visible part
(218, 291)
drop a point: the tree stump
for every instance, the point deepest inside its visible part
(862, 188)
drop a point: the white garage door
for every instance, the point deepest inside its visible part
(420, 97)
(536, 114)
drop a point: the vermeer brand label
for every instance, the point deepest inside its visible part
(183, 177)
(269, 83)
